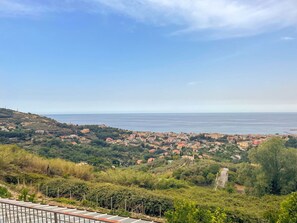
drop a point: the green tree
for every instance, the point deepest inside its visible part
(276, 170)
(288, 211)
(292, 142)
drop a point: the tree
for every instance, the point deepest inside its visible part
(288, 211)
(292, 142)
(276, 170)
(188, 212)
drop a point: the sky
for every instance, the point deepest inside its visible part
(148, 56)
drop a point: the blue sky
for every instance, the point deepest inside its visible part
(114, 56)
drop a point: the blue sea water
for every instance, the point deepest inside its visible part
(227, 123)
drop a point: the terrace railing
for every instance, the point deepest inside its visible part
(25, 212)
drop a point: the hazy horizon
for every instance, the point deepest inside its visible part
(227, 123)
(151, 113)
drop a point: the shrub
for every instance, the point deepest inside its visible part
(106, 195)
(27, 196)
(77, 189)
(4, 193)
(288, 211)
(129, 177)
(188, 212)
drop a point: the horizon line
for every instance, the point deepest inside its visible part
(144, 113)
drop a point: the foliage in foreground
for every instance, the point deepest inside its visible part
(62, 182)
(188, 212)
(25, 195)
(288, 211)
(4, 193)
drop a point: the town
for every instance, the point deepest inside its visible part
(191, 145)
(30, 129)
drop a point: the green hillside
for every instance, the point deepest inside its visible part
(81, 185)
(90, 167)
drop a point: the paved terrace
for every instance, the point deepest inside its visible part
(25, 212)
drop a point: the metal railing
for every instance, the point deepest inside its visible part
(21, 212)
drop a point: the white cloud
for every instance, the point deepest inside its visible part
(224, 17)
(15, 8)
(221, 18)
(287, 38)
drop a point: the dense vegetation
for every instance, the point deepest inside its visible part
(273, 169)
(99, 156)
(17, 162)
(99, 175)
(288, 211)
(152, 192)
(188, 212)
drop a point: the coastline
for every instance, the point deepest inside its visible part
(224, 123)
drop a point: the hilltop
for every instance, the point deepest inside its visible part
(11, 120)
(50, 138)
(14, 120)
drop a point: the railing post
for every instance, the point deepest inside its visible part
(55, 218)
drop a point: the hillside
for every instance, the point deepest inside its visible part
(132, 192)
(36, 125)
(103, 146)
(144, 173)
(50, 138)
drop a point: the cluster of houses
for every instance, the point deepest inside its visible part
(200, 146)
(7, 127)
(158, 145)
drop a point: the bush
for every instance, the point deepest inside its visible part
(199, 174)
(288, 211)
(25, 195)
(129, 177)
(170, 183)
(188, 212)
(137, 200)
(4, 193)
(77, 189)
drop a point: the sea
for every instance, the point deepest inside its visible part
(226, 123)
